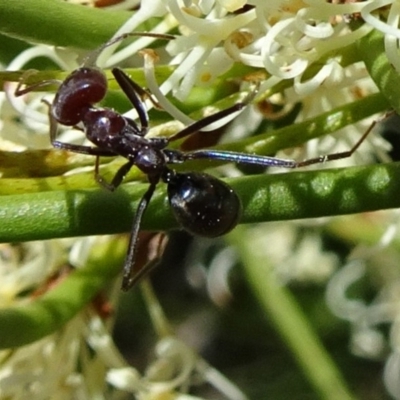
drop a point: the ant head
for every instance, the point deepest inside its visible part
(82, 88)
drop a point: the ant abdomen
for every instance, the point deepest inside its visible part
(82, 88)
(203, 205)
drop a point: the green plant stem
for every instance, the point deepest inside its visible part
(372, 50)
(28, 322)
(294, 195)
(323, 124)
(291, 323)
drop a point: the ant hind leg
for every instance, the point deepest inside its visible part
(267, 161)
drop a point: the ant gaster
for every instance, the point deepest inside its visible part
(202, 204)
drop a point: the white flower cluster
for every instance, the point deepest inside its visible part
(282, 38)
(285, 40)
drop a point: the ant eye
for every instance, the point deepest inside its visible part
(203, 205)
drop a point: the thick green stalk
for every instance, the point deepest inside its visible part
(277, 197)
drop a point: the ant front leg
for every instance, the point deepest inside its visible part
(136, 95)
(75, 148)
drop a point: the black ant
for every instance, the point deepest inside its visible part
(202, 204)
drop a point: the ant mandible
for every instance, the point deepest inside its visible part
(202, 204)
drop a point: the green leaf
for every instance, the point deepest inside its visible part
(58, 23)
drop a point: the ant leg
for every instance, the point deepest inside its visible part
(343, 154)
(20, 92)
(81, 149)
(131, 90)
(155, 246)
(118, 177)
(143, 93)
(129, 277)
(76, 148)
(52, 124)
(242, 158)
(199, 125)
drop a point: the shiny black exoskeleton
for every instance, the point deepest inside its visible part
(202, 204)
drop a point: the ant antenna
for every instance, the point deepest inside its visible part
(91, 59)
